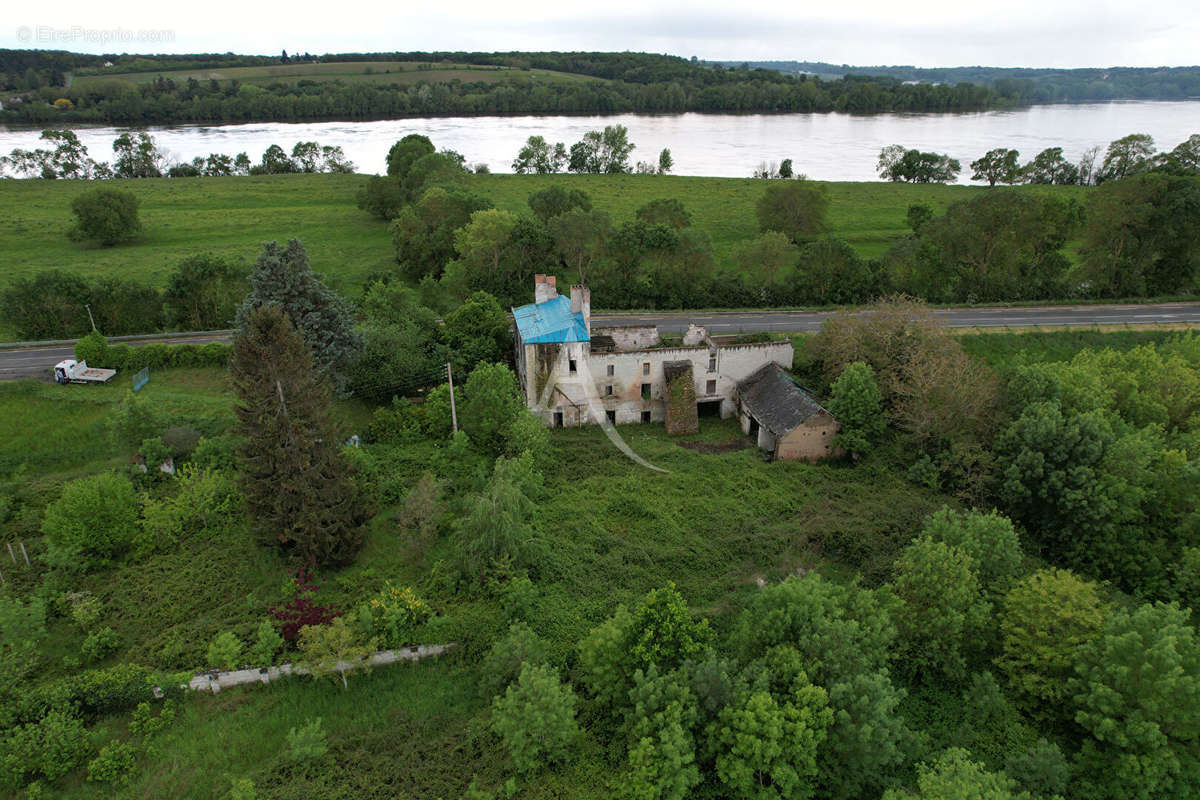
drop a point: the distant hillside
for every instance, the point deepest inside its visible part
(60, 87)
(1022, 84)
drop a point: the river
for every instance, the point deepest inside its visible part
(842, 147)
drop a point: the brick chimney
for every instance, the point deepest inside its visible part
(581, 303)
(544, 288)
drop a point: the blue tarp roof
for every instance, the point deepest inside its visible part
(551, 321)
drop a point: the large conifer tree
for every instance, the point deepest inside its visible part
(298, 487)
(282, 277)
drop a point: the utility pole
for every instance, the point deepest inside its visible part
(453, 413)
(90, 317)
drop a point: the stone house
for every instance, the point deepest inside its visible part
(784, 419)
(572, 373)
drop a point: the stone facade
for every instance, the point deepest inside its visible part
(623, 368)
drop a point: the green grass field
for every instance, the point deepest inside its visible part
(376, 72)
(233, 216)
(227, 216)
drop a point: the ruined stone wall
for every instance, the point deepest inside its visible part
(811, 441)
(631, 337)
(680, 415)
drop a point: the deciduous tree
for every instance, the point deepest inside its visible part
(1138, 694)
(106, 216)
(1048, 167)
(555, 200)
(856, 402)
(941, 607)
(997, 166)
(795, 208)
(1126, 156)
(1044, 620)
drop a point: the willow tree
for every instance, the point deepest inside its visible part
(298, 486)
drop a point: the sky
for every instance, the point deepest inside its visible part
(926, 33)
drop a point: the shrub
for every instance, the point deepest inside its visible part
(300, 610)
(144, 721)
(92, 524)
(225, 651)
(93, 349)
(393, 614)
(106, 216)
(100, 643)
(307, 743)
(536, 718)
(509, 654)
(267, 644)
(181, 441)
(48, 305)
(86, 609)
(134, 421)
(204, 501)
(49, 748)
(242, 789)
(215, 453)
(94, 692)
(114, 764)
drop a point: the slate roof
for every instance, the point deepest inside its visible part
(774, 399)
(551, 321)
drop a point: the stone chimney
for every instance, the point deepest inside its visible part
(544, 288)
(695, 335)
(581, 303)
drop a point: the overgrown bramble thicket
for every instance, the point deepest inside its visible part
(834, 631)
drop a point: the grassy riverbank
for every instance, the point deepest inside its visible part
(234, 216)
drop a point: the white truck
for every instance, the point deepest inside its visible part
(72, 371)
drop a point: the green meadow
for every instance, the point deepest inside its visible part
(234, 216)
(376, 72)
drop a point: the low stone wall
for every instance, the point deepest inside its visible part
(216, 681)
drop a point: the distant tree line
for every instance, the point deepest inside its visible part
(202, 293)
(1126, 156)
(1027, 85)
(633, 83)
(136, 155)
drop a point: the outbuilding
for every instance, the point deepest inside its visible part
(784, 419)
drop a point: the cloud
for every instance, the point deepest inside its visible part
(862, 32)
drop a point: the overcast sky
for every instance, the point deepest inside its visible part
(1029, 33)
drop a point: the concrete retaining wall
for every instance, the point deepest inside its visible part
(216, 681)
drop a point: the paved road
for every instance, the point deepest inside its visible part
(37, 362)
(753, 321)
